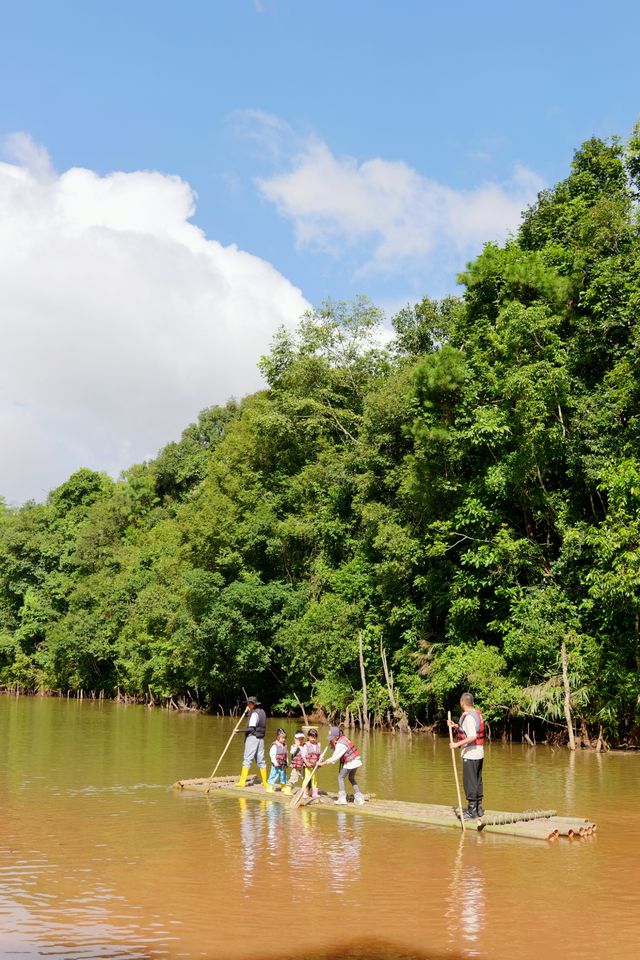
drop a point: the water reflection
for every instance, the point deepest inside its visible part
(343, 854)
(294, 842)
(466, 913)
(252, 837)
(570, 781)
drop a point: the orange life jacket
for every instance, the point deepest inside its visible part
(297, 760)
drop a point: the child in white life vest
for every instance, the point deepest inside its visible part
(278, 755)
(347, 754)
(296, 761)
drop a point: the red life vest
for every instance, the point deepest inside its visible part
(297, 759)
(479, 722)
(352, 751)
(281, 754)
(312, 753)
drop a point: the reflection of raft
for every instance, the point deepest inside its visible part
(536, 824)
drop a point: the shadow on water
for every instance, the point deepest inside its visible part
(369, 949)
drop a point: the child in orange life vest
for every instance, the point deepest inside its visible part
(278, 755)
(349, 756)
(312, 755)
(296, 761)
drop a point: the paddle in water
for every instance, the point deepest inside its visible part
(235, 730)
(455, 771)
(307, 779)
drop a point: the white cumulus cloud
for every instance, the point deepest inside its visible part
(120, 319)
(397, 218)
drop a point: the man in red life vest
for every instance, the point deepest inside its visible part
(348, 755)
(470, 742)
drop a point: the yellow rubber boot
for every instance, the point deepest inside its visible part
(286, 790)
(263, 777)
(244, 773)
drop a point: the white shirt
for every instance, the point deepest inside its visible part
(472, 751)
(273, 754)
(253, 719)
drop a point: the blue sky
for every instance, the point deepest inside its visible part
(459, 92)
(354, 146)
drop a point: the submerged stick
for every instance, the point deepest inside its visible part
(235, 730)
(455, 771)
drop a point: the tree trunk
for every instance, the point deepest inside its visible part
(585, 736)
(567, 698)
(398, 712)
(304, 713)
(365, 703)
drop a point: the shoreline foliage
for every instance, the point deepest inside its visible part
(460, 502)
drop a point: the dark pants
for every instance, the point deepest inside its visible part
(472, 780)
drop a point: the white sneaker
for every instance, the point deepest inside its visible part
(342, 800)
(359, 799)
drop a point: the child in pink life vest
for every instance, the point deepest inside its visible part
(278, 754)
(296, 761)
(347, 754)
(312, 755)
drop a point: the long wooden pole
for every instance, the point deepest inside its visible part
(235, 730)
(455, 771)
(307, 779)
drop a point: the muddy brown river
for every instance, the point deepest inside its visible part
(99, 857)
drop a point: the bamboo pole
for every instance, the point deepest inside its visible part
(527, 830)
(306, 780)
(235, 730)
(498, 819)
(455, 770)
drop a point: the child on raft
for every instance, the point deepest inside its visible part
(279, 756)
(296, 760)
(312, 756)
(348, 755)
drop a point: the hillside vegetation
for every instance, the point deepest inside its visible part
(460, 505)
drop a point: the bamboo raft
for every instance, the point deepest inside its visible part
(531, 824)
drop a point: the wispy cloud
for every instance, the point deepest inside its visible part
(395, 218)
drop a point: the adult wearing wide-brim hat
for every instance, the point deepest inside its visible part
(254, 742)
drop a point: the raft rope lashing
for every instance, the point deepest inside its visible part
(495, 819)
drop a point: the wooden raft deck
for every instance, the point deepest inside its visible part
(532, 824)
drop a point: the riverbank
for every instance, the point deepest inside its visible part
(521, 732)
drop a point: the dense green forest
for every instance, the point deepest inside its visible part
(454, 507)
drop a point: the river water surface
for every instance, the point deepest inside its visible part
(99, 857)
